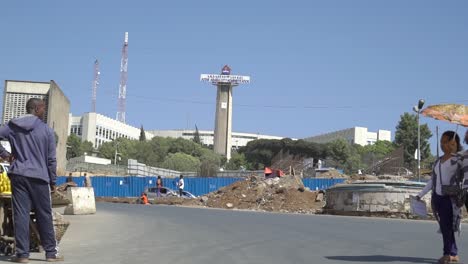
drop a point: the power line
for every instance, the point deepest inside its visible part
(276, 106)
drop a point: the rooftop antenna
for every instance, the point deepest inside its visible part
(97, 73)
(123, 81)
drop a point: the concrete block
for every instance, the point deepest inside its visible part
(82, 201)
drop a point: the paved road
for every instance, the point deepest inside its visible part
(122, 233)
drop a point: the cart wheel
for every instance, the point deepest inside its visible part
(8, 250)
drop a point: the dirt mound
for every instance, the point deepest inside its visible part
(331, 174)
(362, 177)
(285, 194)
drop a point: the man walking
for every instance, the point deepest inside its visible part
(33, 175)
(181, 185)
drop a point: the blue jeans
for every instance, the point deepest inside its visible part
(29, 193)
(443, 206)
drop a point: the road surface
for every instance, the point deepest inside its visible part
(123, 233)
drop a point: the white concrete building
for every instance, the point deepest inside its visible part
(355, 135)
(90, 159)
(17, 93)
(99, 129)
(207, 136)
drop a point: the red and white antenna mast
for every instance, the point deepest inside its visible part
(123, 81)
(95, 86)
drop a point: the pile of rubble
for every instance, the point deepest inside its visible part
(331, 174)
(284, 194)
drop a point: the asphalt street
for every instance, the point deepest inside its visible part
(123, 233)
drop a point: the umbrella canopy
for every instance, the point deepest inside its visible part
(453, 113)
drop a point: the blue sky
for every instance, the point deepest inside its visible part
(316, 66)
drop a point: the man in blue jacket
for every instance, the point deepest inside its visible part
(32, 175)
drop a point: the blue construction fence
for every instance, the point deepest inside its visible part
(133, 186)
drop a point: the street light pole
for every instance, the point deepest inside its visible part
(419, 149)
(115, 152)
(418, 109)
(115, 157)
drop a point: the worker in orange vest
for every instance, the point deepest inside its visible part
(144, 198)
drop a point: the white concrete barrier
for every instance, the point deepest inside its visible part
(375, 196)
(82, 201)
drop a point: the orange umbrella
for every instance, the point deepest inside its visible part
(453, 113)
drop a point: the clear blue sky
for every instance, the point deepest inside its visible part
(316, 66)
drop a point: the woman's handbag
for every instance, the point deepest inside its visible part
(451, 190)
(455, 190)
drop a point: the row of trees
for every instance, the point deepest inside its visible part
(175, 154)
(350, 157)
(186, 155)
(76, 148)
(342, 154)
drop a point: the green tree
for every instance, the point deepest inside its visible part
(380, 148)
(87, 147)
(345, 155)
(236, 162)
(406, 135)
(210, 163)
(159, 147)
(340, 151)
(76, 148)
(125, 148)
(154, 152)
(73, 146)
(185, 146)
(196, 138)
(142, 134)
(181, 162)
(259, 153)
(371, 154)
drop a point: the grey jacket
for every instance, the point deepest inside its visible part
(33, 148)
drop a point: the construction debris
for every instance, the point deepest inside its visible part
(284, 194)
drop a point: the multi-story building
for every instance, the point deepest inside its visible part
(355, 135)
(17, 93)
(207, 136)
(98, 129)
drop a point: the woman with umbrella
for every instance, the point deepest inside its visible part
(445, 209)
(465, 170)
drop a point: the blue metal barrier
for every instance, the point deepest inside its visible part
(320, 184)
(133, 186)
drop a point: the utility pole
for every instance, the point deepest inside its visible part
(116, 154)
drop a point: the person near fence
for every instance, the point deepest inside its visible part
(159, 185)
(181, 185)
(144, 198)
(87, 181)
(33, 178)
(68, 183)
(446, 211)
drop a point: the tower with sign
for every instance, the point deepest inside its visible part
(223, 120)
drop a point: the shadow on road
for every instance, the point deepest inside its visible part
(382, 258)
(10, 259)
